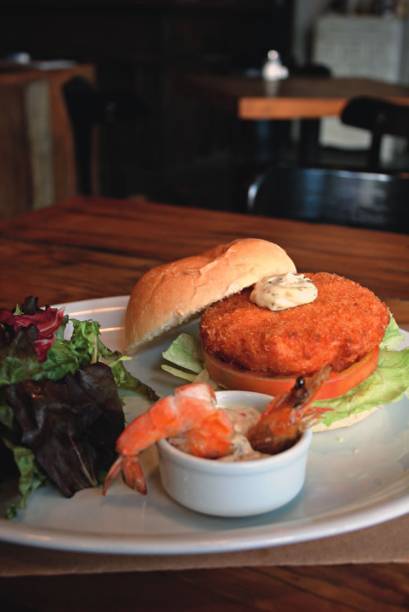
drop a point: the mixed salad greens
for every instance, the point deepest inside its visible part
(388, 383)
(60, 400)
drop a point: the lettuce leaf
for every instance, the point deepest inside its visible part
(69, 354)
(84, 340)
(62, 431)
(6, 413)
(124, 380)
(185, 352)
(178, 373)
(18, 359)
(393, 337)
(71, 425)
(389, 383)
(19, 362)
(30, 477)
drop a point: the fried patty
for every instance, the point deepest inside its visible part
(344, 323)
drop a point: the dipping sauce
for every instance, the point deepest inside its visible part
(242, 419)
(283, 291)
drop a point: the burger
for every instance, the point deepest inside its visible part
(263, 325)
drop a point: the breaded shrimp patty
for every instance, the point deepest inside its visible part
(344, 323)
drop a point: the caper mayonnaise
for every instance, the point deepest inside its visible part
(283, 291)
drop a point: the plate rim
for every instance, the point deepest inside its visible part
(213, 542)
(257, 537)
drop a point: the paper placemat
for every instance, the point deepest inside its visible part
(385, 543)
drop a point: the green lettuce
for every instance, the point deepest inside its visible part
(68, 353)
(30, 477)
(387, 384)
(19, 360)
(6, 414)
(66, 356)
(124, 380)
(184, 352)
(393, 336)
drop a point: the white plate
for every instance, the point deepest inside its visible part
(355, 478)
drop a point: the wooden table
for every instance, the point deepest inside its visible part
(90, 248)
(307, 99)
(292, 98)
(36, 142)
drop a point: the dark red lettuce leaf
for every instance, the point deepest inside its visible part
(71, 425)
(46, 321)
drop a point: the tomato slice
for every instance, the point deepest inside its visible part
(337, 384)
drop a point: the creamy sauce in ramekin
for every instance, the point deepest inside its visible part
(243, 418)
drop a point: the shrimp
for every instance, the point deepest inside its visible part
(191, 412)
(206, 431)
(288, 415)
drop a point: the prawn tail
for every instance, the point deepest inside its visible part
(114, 470)
(131, 471)
(133, 475)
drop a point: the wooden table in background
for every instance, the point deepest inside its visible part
(90, 248)
(307, 99)
(292, 98)
(36, 144)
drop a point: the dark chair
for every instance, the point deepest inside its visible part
(88, 107)
(343, 197)
(310, 70)
(380, 118)
(271, 139)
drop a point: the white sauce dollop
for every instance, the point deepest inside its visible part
(283, 291)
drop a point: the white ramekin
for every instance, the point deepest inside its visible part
(243, 488)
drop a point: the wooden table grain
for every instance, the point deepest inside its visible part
(90, 248)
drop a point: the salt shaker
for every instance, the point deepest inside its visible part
(273, 69)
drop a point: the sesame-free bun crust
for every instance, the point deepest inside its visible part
(173, 293)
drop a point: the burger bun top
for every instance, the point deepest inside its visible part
(173, 293)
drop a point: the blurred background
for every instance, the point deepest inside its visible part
(95, 98)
